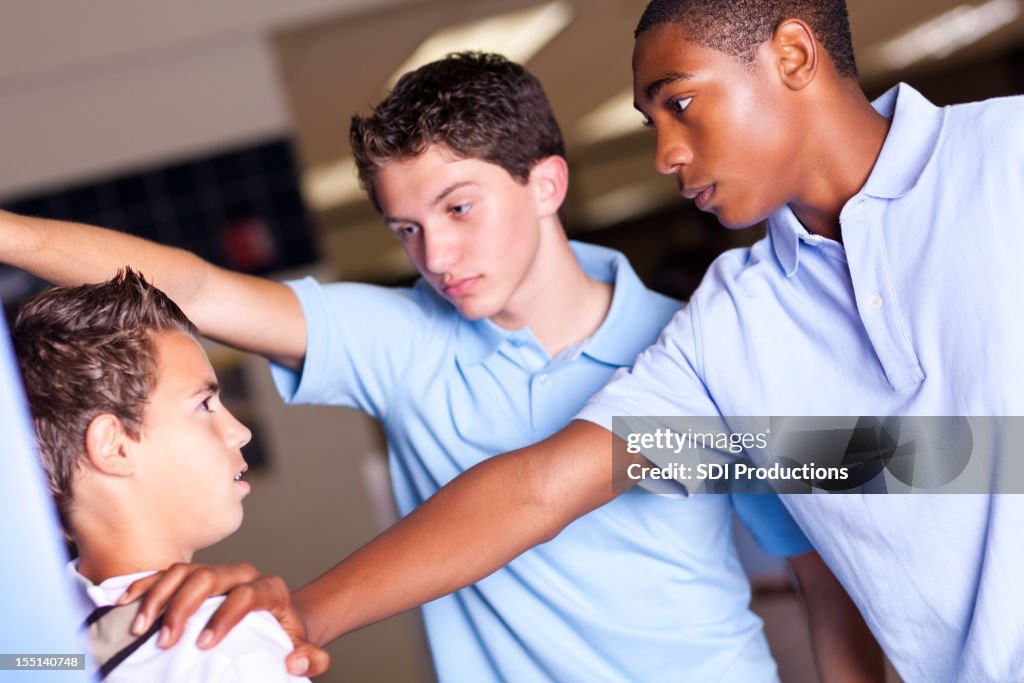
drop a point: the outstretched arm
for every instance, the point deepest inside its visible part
(476, 524)
(479, 522)
(249, 313)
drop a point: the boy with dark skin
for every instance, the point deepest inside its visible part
(832, 172)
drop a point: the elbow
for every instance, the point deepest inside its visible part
(545, 501)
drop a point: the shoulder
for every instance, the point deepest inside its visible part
(1004, 111)
(254, 651)
(257, 633)
(416, 305)
(993, 127)
(735, 275)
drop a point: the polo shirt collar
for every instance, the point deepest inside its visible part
(629, 309)
(477, 340)
(910, 144)
(908, 148)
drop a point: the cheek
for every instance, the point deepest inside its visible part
(414, 253)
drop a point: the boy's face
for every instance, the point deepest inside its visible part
(723, 127)
(189, 449)
(469, 227)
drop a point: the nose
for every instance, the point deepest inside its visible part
(441, 249)
(236, 434)
(671, 152)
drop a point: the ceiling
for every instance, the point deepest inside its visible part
(333, 68)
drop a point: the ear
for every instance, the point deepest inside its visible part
(107, 446)
(796, 52)
(549, 178)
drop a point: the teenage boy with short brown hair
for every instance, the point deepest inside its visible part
(143, 460)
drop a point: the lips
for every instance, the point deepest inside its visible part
(701, 195)
(459, 288)
(238, 478)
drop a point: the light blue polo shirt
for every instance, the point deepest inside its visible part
(647, 588)
(919, 312)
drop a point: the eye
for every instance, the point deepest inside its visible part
(406, 232)
(460, 209)
(205, 405)
(679, 104)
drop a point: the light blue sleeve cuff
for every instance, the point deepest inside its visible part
(770, 524)
(303, 385)
(599, 413)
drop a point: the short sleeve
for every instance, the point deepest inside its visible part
(770, 524)
(663, 381)
(360, 341)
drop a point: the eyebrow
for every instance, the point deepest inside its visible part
(448, 190)
(655, 86)
(437, 200)
(207, 388)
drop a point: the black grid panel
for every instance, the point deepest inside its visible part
(241, 209)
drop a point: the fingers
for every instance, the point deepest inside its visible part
(138, 588)
(264, 593)
(182, 588)
(158, 589)
(201, 583)
(307, 660)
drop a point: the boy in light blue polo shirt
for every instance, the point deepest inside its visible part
(508, 333)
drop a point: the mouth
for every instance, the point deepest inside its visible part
(701, 195)
(457, 288)
(238, 478)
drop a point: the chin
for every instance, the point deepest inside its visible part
(231, 524)
(476, 310)
(732, 221)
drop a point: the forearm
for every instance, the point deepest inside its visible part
(249, 313)
(844, 648)
(66, 253)
(473, 526)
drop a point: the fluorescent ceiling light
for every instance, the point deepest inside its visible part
(517, 35)
(329, 185)
(615, 118)
(943, 35)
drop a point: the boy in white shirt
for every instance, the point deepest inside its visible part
(144, 462)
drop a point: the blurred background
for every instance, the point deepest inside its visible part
(223, 128)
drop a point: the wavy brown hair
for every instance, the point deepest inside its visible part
(480, 106)
(87, 351)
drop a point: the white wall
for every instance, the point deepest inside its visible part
(100, 87)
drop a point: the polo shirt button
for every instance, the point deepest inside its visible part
(544, 380)
(877, 302)
(517, 341)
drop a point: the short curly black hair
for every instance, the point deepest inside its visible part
(480, 106)
(738, 27)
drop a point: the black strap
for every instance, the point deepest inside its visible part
(96, 615)
(118, 657)
(127, 651)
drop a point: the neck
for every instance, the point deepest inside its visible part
(110, 546)
(560, 303)
(846, 150)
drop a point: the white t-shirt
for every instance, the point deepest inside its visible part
(253, 652)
